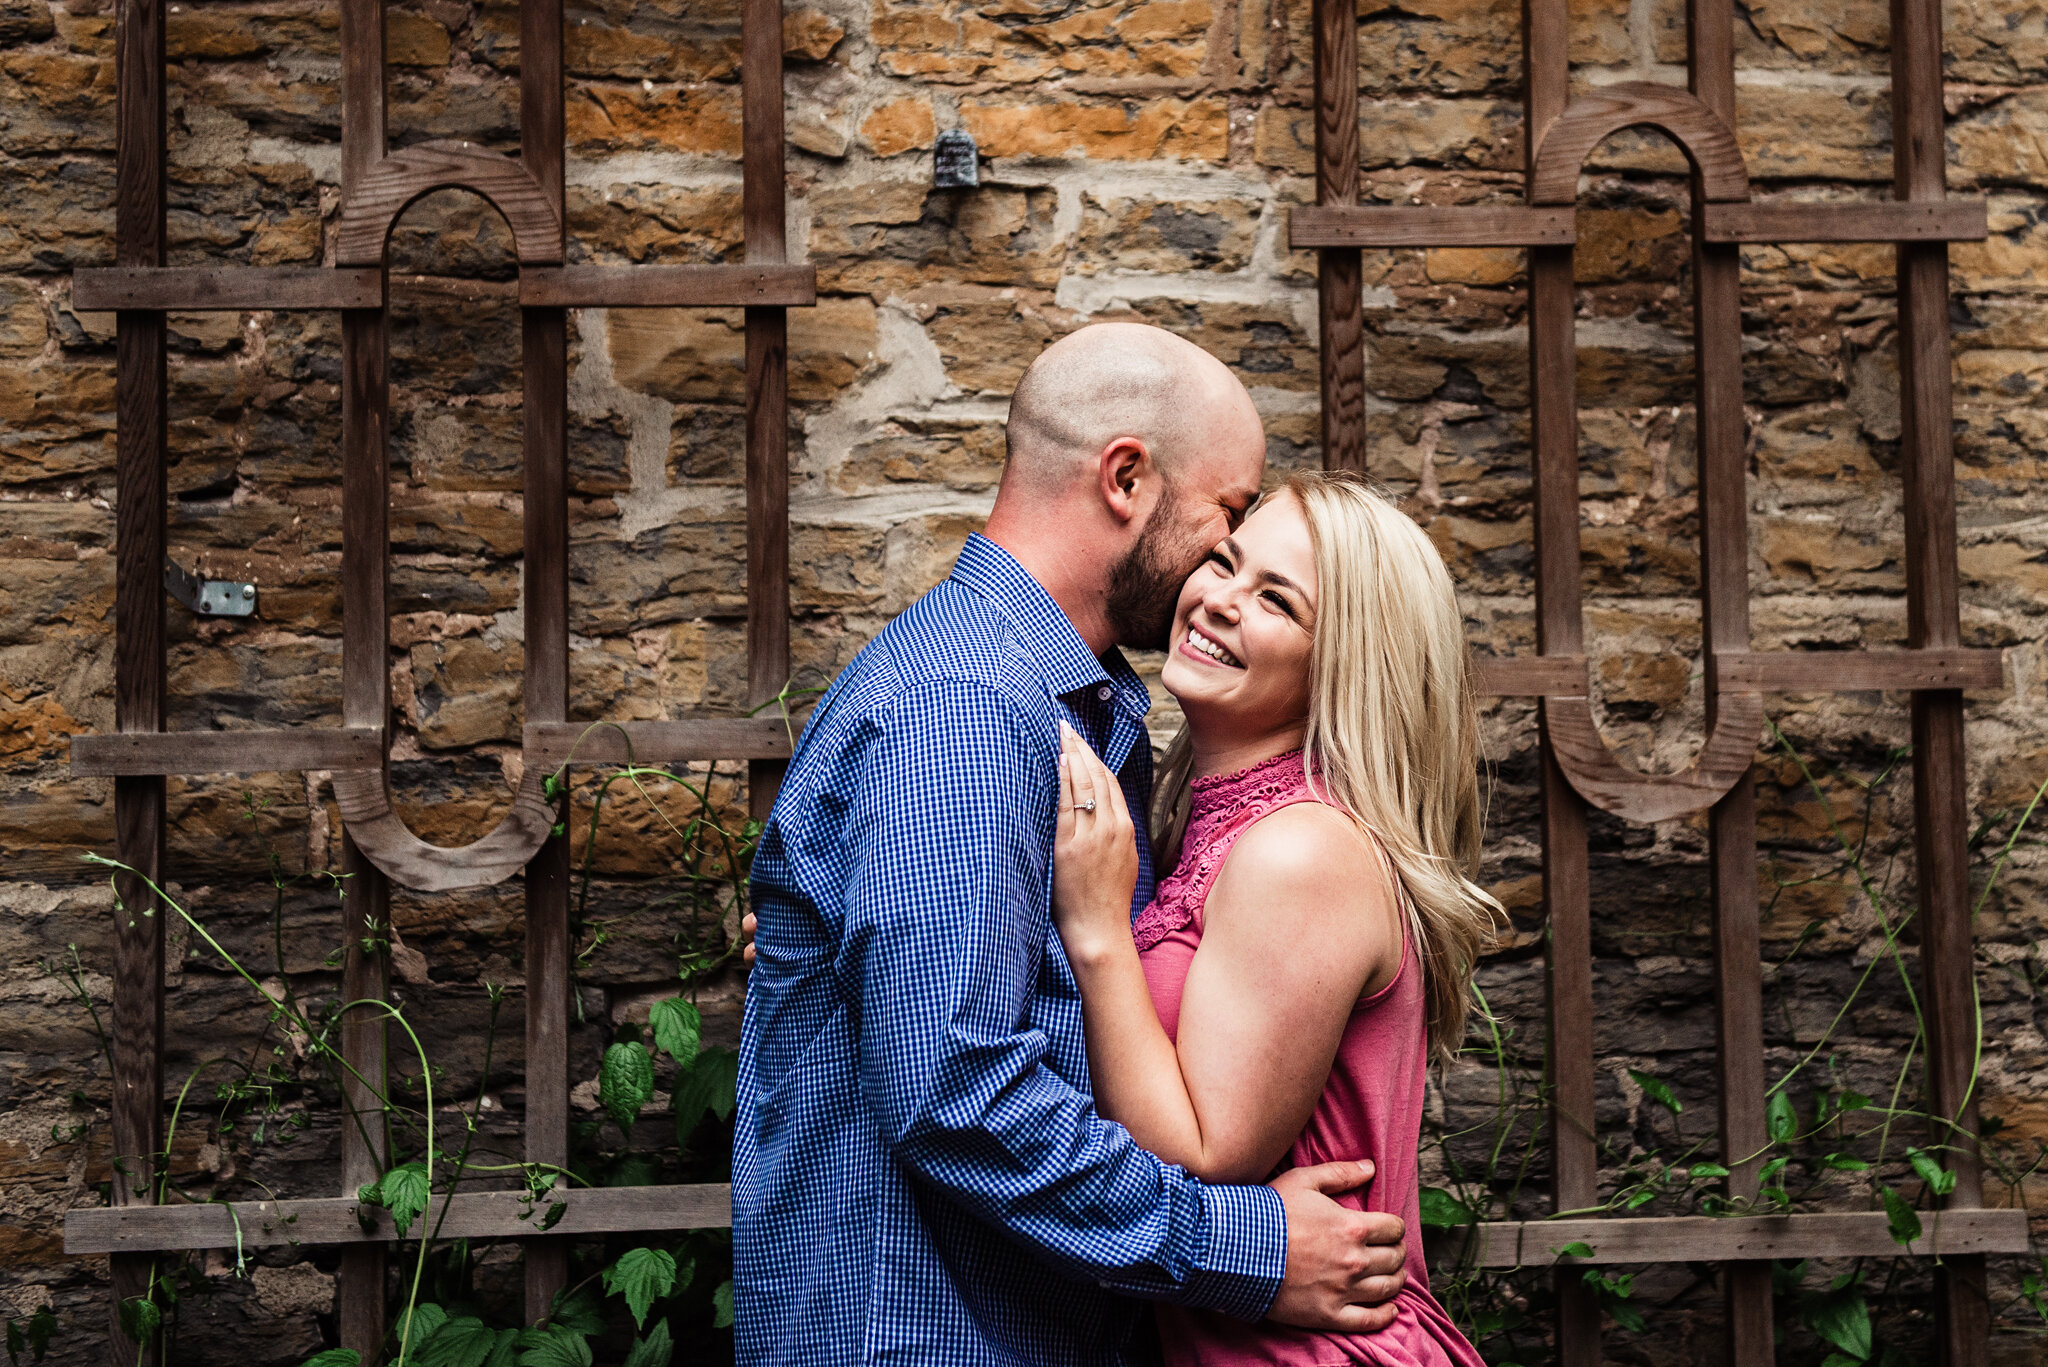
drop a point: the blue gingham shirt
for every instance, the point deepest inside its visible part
(919, 1173)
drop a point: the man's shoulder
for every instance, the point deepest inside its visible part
(951, 643)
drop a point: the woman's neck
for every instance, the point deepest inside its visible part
(1226, 753)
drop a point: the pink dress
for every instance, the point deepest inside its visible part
(1370, 1108)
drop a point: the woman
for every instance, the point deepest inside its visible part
(1278, 1002)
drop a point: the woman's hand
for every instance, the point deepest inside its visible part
(1094, 858)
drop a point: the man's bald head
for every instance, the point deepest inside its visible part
(1112, 380)
(1131, 453)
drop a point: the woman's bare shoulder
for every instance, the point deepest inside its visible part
(1308, 860)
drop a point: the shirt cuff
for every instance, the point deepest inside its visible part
(1246, 1257)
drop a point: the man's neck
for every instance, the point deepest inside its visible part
(1076, 582)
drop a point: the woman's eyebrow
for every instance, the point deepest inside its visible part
(1270, 577)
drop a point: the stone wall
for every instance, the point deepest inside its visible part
(1140, 159)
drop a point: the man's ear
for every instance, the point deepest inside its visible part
(1123, 470)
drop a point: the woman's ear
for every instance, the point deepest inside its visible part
(1123, 468)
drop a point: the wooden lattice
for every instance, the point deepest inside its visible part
(377, 185)
(1578, 770)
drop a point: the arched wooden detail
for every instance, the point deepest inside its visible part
(400, 178)
(364, 797)
(1707, 141)
(1600, 777)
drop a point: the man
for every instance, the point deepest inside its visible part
(919, 1175)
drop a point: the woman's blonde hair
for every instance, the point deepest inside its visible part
(1393, 732)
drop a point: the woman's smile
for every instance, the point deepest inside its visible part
(1198, 645)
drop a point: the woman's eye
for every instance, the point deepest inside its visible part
(1216, 560)
(1279, 601)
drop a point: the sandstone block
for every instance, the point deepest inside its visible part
(987, 338)
(957, 453)
(704, 121)
(809, 35)
(55, 102)
(898, 126)
(25, 21)
(23, 327)
(890, 239)
(1186, 130)
(695, 355)
(1149, 234)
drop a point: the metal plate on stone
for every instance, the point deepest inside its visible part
(956, 161)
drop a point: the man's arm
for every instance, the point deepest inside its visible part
(945, 923)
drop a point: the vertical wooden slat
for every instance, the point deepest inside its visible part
(141, 492)
(1932, 619)
(544, 362)
(1340, 300)
(366, 1144)
(1724, 590)
(1553, 360)
(767, 382)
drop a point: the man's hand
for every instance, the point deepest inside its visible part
(1344, 1267)
(747, 924)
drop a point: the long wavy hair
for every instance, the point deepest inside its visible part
(1393, 731)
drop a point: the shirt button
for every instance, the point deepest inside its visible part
(1105, 693)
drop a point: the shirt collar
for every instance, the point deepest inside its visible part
(1056, 650)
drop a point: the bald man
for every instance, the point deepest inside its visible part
(919, 1174)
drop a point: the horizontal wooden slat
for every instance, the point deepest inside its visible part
(1430, 225)
(227, 752)
(1529, 676)
(1945, 220)
(1709, 1239)
(1852, 671)
(615, 287)
(658, 742)
(342, 1219)
(226, 288)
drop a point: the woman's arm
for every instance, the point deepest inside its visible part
(1302, 921)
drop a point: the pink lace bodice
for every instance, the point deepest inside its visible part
(1223, 807)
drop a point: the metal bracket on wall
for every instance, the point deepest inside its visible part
(209, 597)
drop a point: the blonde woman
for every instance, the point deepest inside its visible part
(1277, 1003)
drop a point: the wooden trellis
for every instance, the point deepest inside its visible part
(377, 185)
(1578, 770)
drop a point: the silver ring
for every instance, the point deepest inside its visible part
(1087, 806)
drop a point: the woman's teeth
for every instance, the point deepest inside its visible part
(1211, 649)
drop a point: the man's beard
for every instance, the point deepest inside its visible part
(1144, 586)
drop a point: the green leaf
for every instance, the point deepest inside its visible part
(1627, 1316)
(1939, 1180)
(1642, 1198)
(1441, 1210)
(465, 1341)
(643, 1276)
(555, 1346)
(1578, 1248)
(1655, 1089)
(1772, 1169)
(1841, 1318)
(404, 1190)
(653, 1351)
(1853, 1101)
(1840, 1360)
(1904, 1221)
(1701, 1171)
(708, 1085)
(424, 1320)
(335, 1357)
(1781, 1122)
(141, 1318)
(721, 1306)
(580, 1313)
(1841, 1162)
(625, 1081)
(677, 1029)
